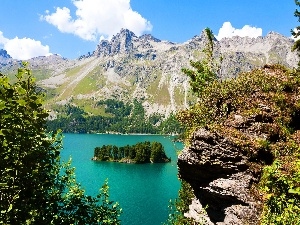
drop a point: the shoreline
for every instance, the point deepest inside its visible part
(130, 161)
(141, 134)
(107, 132)
(174, 136)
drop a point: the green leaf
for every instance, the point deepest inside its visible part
(22, 102)
(295, 191)
(3, 185)
(2, 105)
(10, 207)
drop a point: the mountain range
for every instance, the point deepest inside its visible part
(145, 68)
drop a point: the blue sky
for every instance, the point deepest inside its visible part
(30, 28)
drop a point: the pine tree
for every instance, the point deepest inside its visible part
(206, 70)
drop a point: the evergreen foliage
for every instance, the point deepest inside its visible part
(180, 206)
(121, 118)
(204, 71)
(142, 152)
(35, 187)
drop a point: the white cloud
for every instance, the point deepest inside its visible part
(227, 30)
(24, 48)
(3, 40)
(96, 18)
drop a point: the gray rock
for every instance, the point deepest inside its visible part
(221, 178)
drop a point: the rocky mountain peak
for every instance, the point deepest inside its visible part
(122, 42)
(4, 54)
(270, 49)
(5, 58)
(267, 40)
(274, 34)
(126, 42)
(124, 36)
(125, 32)
(149, 37)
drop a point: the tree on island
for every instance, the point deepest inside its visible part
(35, 187)
(142, 152)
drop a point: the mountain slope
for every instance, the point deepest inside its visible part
(147, 69)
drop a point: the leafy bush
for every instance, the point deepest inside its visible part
(281, 185)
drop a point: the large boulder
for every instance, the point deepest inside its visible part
(221, 176)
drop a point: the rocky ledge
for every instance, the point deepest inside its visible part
(221, 178)
(257, 131)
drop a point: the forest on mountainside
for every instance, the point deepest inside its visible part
(119, 117)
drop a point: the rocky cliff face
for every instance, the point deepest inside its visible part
(271, 49)
(221, 178)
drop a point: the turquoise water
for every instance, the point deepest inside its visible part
(142, 190)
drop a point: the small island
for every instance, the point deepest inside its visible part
(142, 152)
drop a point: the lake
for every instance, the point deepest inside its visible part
(142, 190)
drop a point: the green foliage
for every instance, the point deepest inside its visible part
(281, 185)
(205, 71)
(122, 118)
(268, 98)
(70, 110)
(181, 206)
(117, 108)
(70, 205)
(171, 126)
(245, 95)
(142, 152)
(35, 188)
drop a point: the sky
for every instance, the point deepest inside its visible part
(71, 28)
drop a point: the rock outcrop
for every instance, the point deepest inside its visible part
(231, 158)
(227, 156)
(219, 173)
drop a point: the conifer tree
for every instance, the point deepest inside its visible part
(206, 70)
